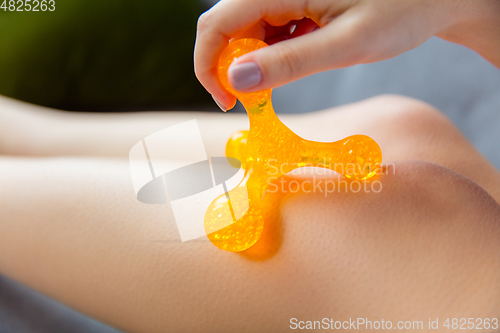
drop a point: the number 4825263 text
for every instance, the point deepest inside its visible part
(28, 5)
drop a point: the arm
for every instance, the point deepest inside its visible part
(477, 27)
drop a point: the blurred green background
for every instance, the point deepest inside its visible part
(103, 55)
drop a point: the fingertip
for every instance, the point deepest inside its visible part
(219, 104)
(245, 75)
(232, 103)
(224, 101)
(232, 106)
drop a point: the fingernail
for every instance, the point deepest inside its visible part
(219, 104)
(245, 75)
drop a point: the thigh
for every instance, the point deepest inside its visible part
(425, 245)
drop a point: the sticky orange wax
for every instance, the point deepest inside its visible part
(268, 151)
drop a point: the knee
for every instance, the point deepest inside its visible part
(424, 185)
(410, 241)
(399, 104)
(407, 190)
(409, 116)
(412, 198)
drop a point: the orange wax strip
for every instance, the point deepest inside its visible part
(235, 220)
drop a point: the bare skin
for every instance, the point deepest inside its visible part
(350, 32)
(426, 246)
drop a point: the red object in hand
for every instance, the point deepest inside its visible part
(290, 30)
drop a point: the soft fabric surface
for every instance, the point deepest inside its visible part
(25, 311)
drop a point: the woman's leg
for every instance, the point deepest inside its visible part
(405, 128)
(30, 130)
(426, 246)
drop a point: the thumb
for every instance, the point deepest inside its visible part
(333, 46)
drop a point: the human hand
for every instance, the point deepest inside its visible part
(351, 32)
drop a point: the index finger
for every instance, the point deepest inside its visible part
(227, 19)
